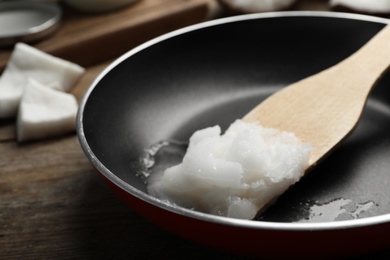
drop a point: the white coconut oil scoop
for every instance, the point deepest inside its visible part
(325, 108)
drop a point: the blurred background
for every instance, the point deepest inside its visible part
(53, 205)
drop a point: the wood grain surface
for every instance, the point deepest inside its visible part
(53, 205)
(90, 38)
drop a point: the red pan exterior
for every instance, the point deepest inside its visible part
(268, 243)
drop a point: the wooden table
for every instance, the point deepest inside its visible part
(53, 205)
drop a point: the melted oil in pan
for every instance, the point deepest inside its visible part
(336, 210)
(161, 156)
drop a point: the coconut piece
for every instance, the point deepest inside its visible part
(257, 6)
(362, 6)
(45, 112)
(28, 62)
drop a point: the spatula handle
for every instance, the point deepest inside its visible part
(324, 108)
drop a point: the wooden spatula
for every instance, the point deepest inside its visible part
(325, 108)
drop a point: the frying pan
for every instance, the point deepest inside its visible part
(215, 72)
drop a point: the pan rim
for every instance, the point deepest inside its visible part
(248, 224)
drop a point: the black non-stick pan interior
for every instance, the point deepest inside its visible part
(216, 75)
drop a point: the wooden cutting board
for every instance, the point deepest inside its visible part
(87, 39)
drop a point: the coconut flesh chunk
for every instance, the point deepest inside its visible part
(44, 112)
(28, 62)
(363, 6)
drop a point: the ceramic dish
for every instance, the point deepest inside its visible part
(215, 72)
(27, 21)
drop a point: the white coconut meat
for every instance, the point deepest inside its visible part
(363, 6)
(255, 6)
(236, 174)
(45, 112)
(28, 62)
